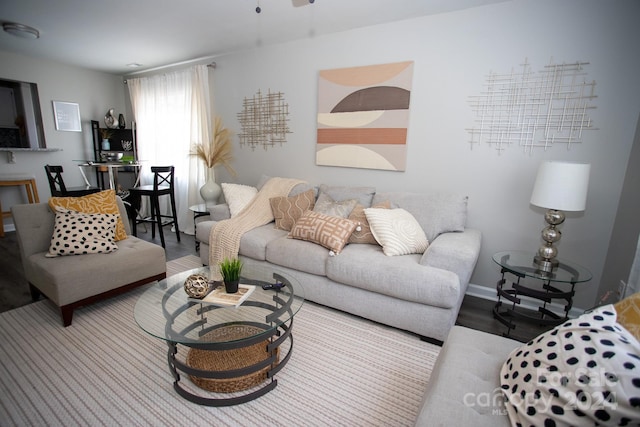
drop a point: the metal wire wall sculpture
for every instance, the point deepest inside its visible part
(264, 120)
(534, 109)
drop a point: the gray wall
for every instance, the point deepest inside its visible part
(95, 92)
(453, 53)
(624, 239)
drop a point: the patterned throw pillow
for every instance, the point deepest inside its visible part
(583, 372)
(332, 232)
(363, 195)
(76, 233)
(362, 233)
(287, 210)
(397, 231)
(326, 205)
(237, 196)
(103, 202)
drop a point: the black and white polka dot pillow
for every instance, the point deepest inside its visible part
(76, 233)
(584, 372)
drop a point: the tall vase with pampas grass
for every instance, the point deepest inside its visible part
(217, 151)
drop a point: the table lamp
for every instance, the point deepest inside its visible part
(559, 186)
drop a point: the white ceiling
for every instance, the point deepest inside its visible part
(107, 35)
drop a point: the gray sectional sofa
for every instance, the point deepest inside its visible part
(464, 387)
(420, 293)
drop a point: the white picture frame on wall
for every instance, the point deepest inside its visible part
(67, 116)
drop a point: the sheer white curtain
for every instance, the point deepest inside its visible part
(172, 112)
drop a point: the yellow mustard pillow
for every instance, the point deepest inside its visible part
(628, 311)
(103, 202)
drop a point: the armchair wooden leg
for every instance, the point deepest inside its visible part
(35, 293)
(67, 315)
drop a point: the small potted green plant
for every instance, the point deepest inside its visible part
(230, 270)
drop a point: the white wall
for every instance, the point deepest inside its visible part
(453, 53)
(95, 92)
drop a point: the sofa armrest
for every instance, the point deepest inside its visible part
(457, 252)
(219, 212)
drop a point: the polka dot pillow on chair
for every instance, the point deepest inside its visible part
(583, 372)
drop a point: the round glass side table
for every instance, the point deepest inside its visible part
(558, 284)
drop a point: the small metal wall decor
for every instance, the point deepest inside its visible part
(264, 120)
(534, 109)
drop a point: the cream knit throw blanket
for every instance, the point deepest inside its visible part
(224, 239)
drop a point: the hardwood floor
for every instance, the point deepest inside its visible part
(475, 313)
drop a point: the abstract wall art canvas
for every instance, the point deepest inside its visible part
(363, 115)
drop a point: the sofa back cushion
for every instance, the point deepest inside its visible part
(436, 212)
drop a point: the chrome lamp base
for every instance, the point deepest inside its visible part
(545, 259)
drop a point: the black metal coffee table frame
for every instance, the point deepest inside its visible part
(277, 332)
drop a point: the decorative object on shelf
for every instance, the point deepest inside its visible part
(264, 120)
(363, 116)
(230, 270)
(122, 123)
(559, 186)
(534, 109)
(105, 134)
(217, 151)
(110, 120)
(127, 145)
(112, 156)
(197, 286)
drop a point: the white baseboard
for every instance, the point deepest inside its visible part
(527, 302)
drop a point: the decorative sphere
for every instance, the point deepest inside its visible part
(554, 217)
(551, 234)
(196, 286)
(548, 252)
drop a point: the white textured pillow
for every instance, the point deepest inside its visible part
(76, 233)
(397, 231)
(237, 196)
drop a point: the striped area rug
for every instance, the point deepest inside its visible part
(104, 370)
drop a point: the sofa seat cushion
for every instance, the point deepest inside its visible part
(402, 277)
(134, 260)
(253, 243)
(464, 387)
(298, 254)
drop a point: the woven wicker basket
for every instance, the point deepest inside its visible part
(226, 360)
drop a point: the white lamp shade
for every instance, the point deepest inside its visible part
(561, 186)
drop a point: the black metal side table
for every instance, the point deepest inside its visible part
(198, 211)
(556, 285)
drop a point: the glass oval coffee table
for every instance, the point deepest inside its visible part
(233, 353)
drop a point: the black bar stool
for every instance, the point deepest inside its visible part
(59, 189)
(163, 179)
